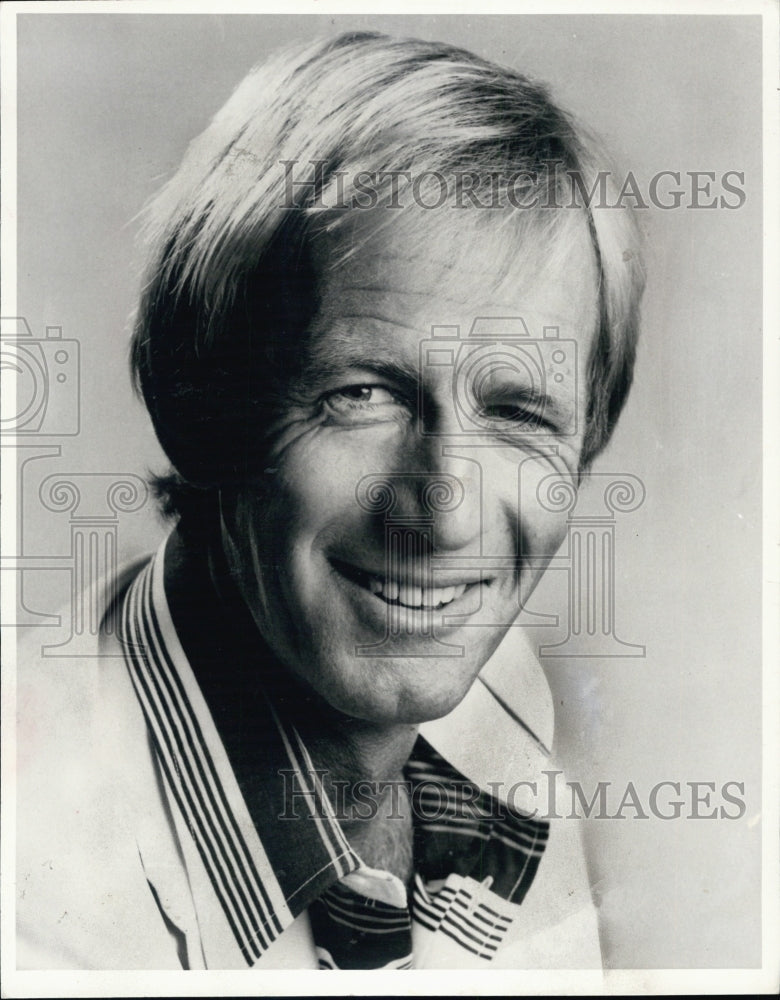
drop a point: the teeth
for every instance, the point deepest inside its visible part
(410, 596)
(415, 597)
(432, 598)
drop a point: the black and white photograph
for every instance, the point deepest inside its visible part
(390, 499)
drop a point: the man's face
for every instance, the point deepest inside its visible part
(390, 613)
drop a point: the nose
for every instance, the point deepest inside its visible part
(439, 487)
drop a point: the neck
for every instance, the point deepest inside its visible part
(361, 767)
(351, 751)
(363, 778)
(360, 763)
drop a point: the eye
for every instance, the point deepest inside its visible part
(364, 403)
(521, 416)
(508, 411)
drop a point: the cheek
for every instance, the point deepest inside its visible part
(307, 498)
(311, 492)
(546, 497)
(316, 481)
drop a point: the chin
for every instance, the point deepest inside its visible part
(401, 690)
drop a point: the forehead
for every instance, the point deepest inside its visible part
(421, 270)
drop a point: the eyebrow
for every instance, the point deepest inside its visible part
(341, 359)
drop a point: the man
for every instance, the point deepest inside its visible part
(383, 321)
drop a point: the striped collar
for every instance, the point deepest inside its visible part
(268, 864)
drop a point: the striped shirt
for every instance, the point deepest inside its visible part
(210, 861)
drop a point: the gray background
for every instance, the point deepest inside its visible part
(107, 104)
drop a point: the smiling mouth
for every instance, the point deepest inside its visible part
(403, 593)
